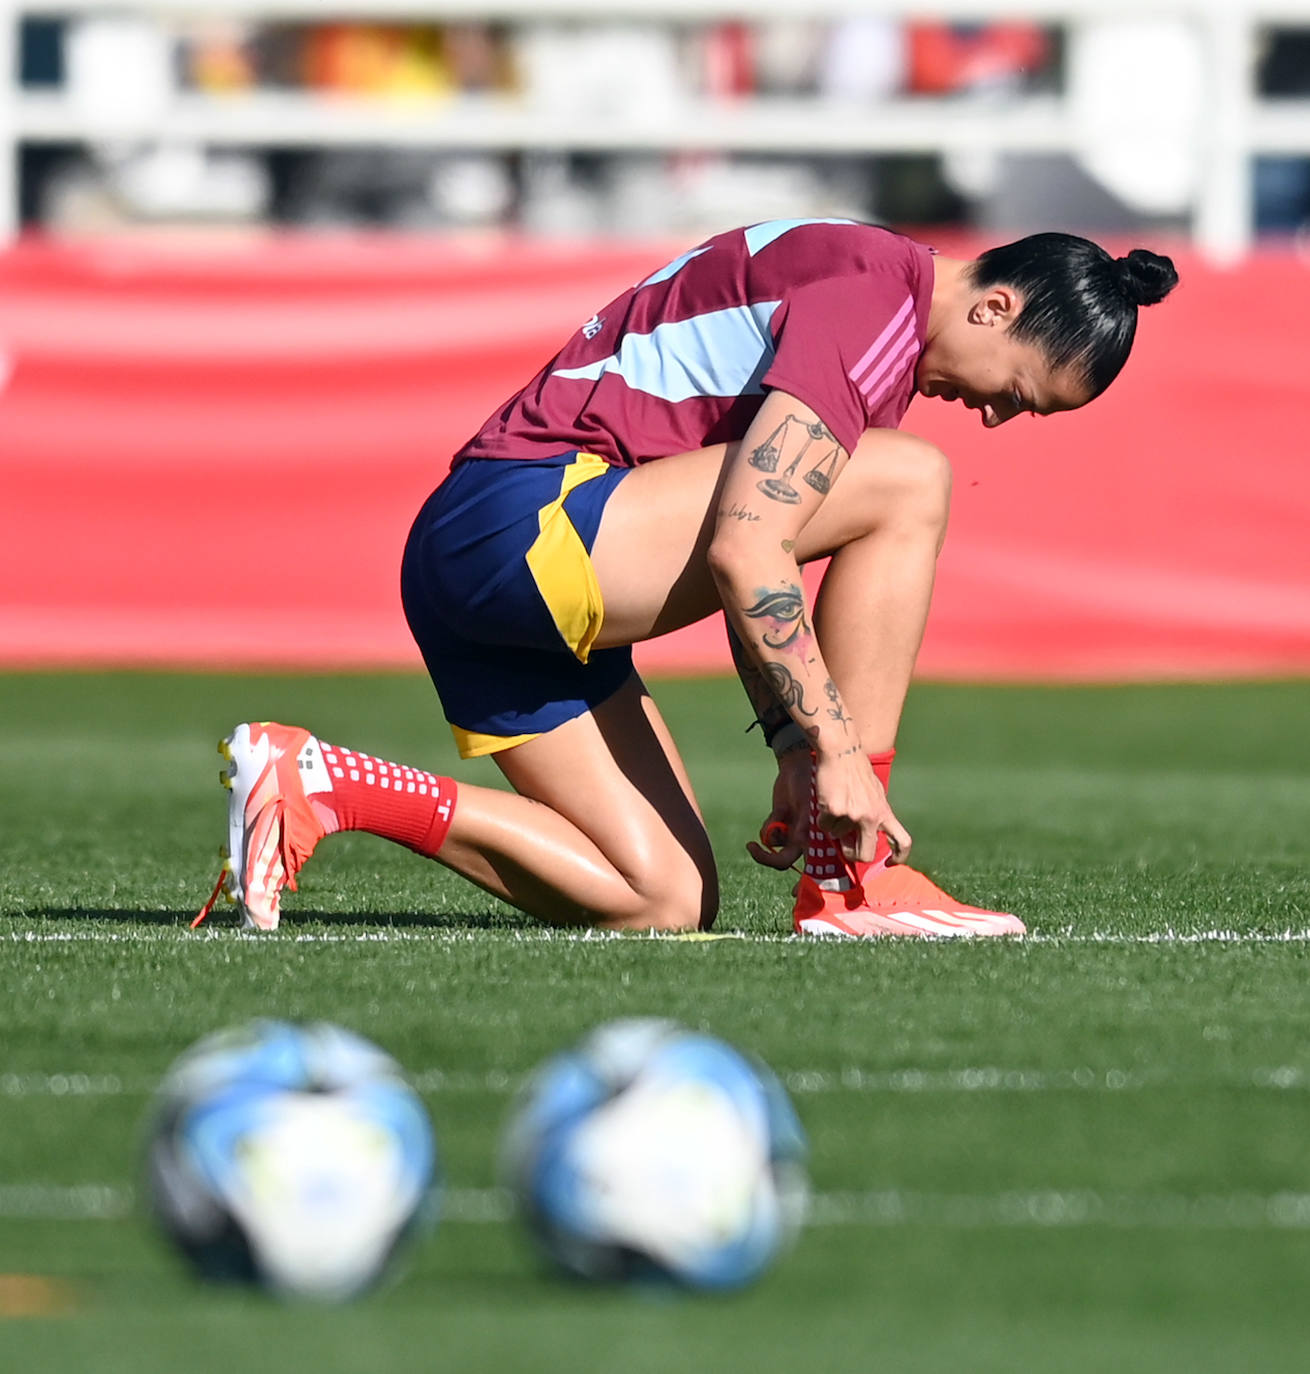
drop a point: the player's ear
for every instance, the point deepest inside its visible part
(996, 306)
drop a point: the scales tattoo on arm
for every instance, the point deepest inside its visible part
(767, 456)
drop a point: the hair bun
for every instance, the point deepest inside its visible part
(1145, 277)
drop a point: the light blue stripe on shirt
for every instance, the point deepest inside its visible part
(720, 353)
(761, 235)
(673, 268)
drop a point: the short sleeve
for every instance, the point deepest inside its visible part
(842, 346)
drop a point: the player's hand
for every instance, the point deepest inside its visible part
(853, 808)
(786, 830)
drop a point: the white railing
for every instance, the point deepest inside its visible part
(1231, 125)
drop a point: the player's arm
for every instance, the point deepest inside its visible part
(773, 484)
(770, 714)
(785, 832)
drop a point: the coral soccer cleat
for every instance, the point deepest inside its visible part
(895, 900)
(271, 824)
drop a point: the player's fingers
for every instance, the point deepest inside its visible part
(900, 840)
(773, 834)
(774, 858)
(860, 844)
(856, 847)
(844, 833)
(838, 826)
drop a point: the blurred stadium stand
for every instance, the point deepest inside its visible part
(649, 115)
(199, 394)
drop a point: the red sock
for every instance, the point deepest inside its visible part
(824, 861)
(407, 805)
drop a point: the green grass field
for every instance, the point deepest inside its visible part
(1082, 1152)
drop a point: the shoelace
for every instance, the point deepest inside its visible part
(213, 897)
(293, 858)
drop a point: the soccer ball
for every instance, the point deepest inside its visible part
(649, 1151)
(293, 1157)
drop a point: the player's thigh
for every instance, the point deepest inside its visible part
(615, 772)
(649, 552)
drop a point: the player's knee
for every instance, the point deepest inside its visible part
(906, 483)
(923, 481)
(672, 918)
(694, 907)
(681, 895)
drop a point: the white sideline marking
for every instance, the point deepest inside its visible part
(80, 1202)
(1053, 1209)
(183, 938)
(66, 1085)
(802, 1082)
(891, 1207)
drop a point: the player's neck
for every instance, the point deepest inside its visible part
(950, 284)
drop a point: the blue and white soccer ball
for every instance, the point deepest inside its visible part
(650, 1151)
(293, 1157)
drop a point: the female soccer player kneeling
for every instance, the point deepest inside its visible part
(693, 444)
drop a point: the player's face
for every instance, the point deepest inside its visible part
(974, 360)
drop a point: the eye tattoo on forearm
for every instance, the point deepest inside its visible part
(769, 453)
(784, 606)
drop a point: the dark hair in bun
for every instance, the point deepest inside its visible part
(1146, 277)
(1079, 303)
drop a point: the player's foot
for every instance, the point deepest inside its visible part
(894, 900)
(271, 826)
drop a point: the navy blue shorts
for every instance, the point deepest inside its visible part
(501, 597)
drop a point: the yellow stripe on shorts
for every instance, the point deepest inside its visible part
(561, 566)
(473, 744)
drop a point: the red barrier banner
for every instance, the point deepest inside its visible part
(211, 457)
